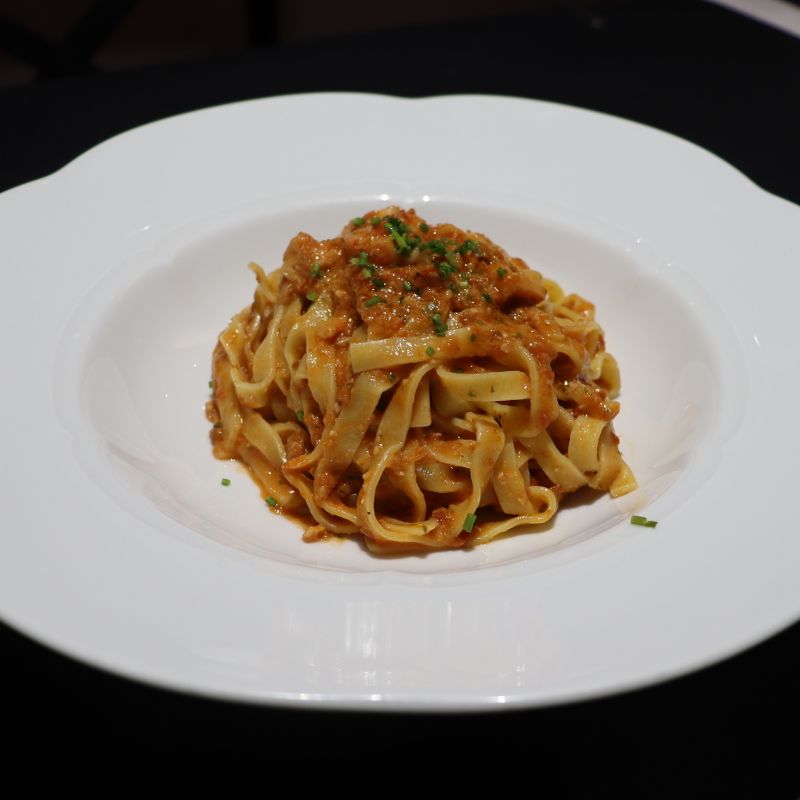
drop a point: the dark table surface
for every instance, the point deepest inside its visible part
(722, 81)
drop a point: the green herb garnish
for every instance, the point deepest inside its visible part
(647, 523)
(438, 246)
(373, 301)
(469, 522)
(312, 296)
(487, 298)
(408, 286)
(226, 481)
(378, 283)
(501, 273)
(361, 260)
(316, 270)
(439, 326)
(430, 351)
(271, 501)
(300, 415)
(469, 246)
(424, 227)
(357, 222)
(397, 230)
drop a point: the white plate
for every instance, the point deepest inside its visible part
(121, 547)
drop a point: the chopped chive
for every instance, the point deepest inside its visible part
(469, 246)
(424, 227)
(373, 301)
(647, 523)
(211, 384)
(271, 501)
(472, 337)
(226, 481)
(316, 270)
(399, 241)
(463, 283)
(397, 224)
(501, 273)
(300, 415)
(469, 522)
(367, 271)
(312, 296)
(439, 326)
(378, 283)
(407, 286)
(487, 298)
(430, 351)
(361, 261)
(444, 268)
(375, 221)
(397, 230)
(437, 246)
(357, 222)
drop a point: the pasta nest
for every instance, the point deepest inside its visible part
(414, 384)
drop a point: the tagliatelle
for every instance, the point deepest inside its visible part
(414, 384)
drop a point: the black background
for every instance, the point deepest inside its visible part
(722, 81)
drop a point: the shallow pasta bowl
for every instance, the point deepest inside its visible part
(121, 546)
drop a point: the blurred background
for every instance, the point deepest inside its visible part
(40, 39)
